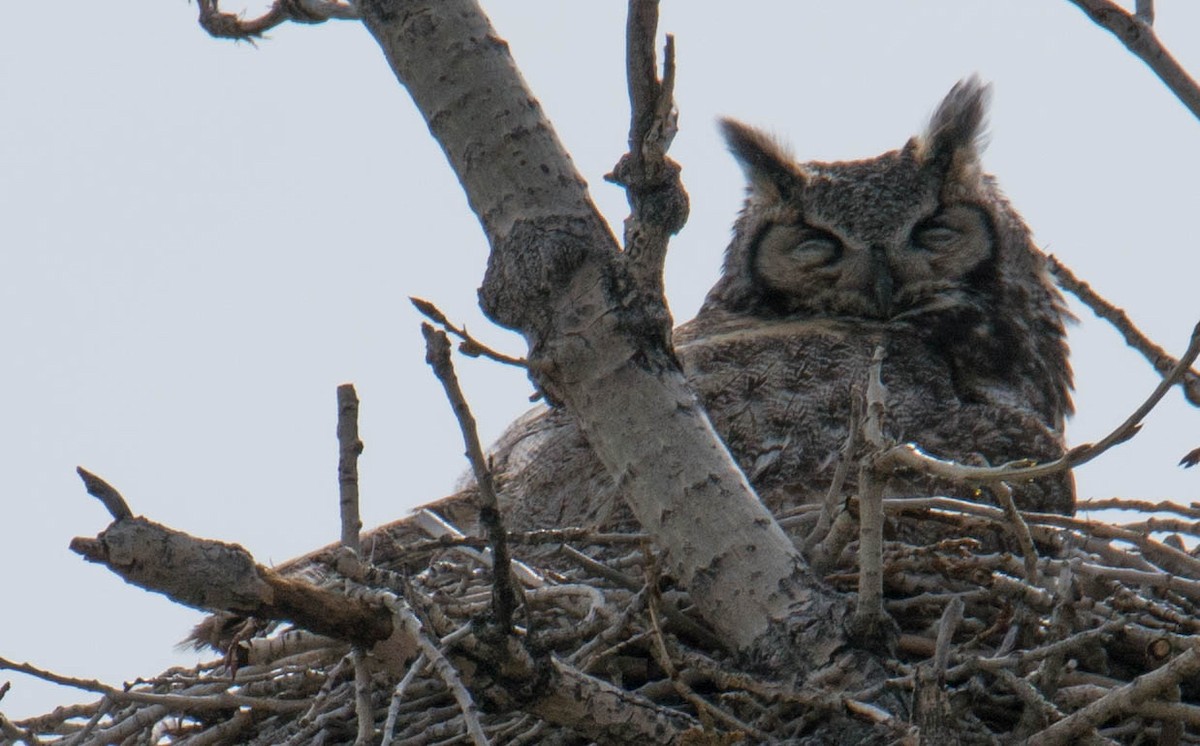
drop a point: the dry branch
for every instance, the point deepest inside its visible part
(1135, 32)
(504, 594)
(349, 449)
(469, 346)
(1162, 362)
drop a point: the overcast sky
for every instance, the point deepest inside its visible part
(200, 240)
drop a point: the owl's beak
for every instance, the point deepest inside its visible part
(883, 282)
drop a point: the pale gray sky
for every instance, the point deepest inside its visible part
(202, 239)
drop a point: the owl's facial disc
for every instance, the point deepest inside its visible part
(887, 272)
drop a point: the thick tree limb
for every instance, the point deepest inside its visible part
(555, 274)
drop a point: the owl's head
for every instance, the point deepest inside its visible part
(917, 237)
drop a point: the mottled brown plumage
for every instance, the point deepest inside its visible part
(915, 250)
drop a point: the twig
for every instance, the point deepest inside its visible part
(1139, 38)
(676, 617)
(1186, 587)
(442, 530)
(1037, 706)
(1158, 357)
(869, 614)
(1144, 506)
(833, 496)
(393, 713)
(947, 626)
(103, 708)
(406, 619)
(824, 556)
(504, 594)
(231, 26)
(1176, 711)
(364, 711)
(1168, 558)
(15, 734)
(349, 449)
(1018, 526)
(350, 446)
(105, 493)
(469, 346)
(182, 702)
(1018, 660)
(1144, 11)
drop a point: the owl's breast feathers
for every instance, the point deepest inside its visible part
(780, 392)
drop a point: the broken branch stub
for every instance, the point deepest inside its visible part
(216, 576)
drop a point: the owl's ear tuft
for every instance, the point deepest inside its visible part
(954, 138)
(769, 167)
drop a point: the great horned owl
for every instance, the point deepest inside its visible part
(915, 250)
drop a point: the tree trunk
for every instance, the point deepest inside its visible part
(556, 274)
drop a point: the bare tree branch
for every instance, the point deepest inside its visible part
(105, 493)
(213, 575)
(871, 624)
(349, 449)
(504, 596)
(1135, 33)
(651, 180)
(1144, 11)
(1163, 363)
(184, 702)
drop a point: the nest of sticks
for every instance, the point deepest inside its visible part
(1096, 633)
